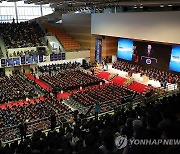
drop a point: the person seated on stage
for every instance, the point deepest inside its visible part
(129, 73)
(135, 54)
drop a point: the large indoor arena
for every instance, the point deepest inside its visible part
(90, 77)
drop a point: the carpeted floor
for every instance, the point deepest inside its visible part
(40, 83)
(119, 80)
(65, 95)
(138, 87)
(104, 75)
(21, 102)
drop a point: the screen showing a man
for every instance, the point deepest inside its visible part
(148, 57)
(149, 51)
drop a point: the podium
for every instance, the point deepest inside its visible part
(148, 60)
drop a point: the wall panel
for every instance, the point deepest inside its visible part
(151, 26)
(79, 27)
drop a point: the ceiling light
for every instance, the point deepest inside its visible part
(135, 7)
(161, 5)
(141, 6)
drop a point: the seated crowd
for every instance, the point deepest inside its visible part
(70, 80)
(29, 112)
(113, 93)
(15, 88)
(154, 120)
(20, 35)
(23, 53)
(152, 73)
(58, 67)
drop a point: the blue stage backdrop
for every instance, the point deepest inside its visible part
(175, 59)
(98, 49)
(125, 49)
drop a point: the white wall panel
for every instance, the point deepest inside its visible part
(152, 26)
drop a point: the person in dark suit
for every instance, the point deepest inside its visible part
(97, 109)
(23, 129)
(135, 54)
(53, 121)
(149, 51)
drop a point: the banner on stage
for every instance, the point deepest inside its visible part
(98, 49)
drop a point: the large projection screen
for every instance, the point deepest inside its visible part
(151, 26)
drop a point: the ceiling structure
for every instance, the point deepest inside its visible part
(70, 4)
(101, 2)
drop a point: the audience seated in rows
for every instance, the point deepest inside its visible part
(154, 120)
(29, 112)
(54, 68)
(24, 53)
(111, 93)
(20, 35)
(15, 88)
(152, 73)
(70, 80)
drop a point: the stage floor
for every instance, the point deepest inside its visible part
(138, 78)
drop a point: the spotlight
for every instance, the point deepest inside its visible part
(161, 5)
(141, 6)
(135, 6)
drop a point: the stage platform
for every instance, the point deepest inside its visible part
(143, 80)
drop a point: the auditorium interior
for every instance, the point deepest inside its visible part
(94, 76)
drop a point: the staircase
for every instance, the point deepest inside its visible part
(75, 105)
(54, 43)
(68, 42)
(141, 88)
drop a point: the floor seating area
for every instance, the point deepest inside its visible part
(15, 88)
(68, 42)
(144, 121)
(113, 93)
(31, 111)
(20, 35)
(42, 84)
(70, 80)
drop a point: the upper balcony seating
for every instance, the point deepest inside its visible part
(67, 42)
(21, 35)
